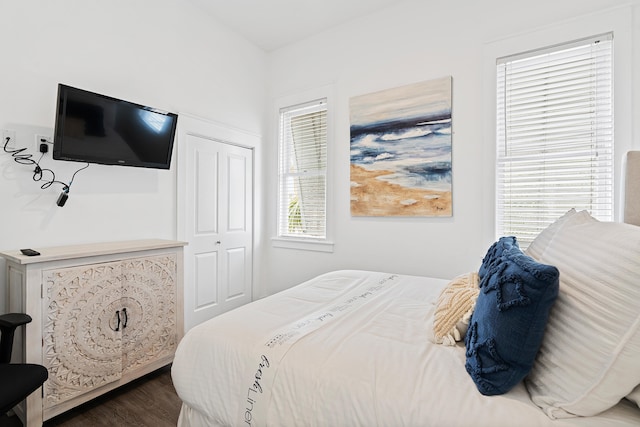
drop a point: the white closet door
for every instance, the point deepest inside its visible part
(215, 185)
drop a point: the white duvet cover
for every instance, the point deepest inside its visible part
(347, 348)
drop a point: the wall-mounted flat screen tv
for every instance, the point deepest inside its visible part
(96, 128)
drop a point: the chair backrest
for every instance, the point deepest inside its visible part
(17, 380)
(8, 324)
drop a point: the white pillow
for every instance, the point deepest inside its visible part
(590, 355)
(542, 240)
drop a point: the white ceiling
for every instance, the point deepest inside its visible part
(271, 24)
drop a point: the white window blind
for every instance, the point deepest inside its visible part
(554, 136)
(303, 171)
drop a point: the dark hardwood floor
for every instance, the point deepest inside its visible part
(150, 401)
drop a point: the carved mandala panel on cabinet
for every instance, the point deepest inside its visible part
(82, 350)
(103, 320)
(150, 301)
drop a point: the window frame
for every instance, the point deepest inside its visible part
(528, 86)
(301, 242)
(619, 21)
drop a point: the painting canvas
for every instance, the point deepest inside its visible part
(401, 151)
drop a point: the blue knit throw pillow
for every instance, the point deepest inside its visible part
(508, 322)
(494, 254)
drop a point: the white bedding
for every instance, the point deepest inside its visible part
(348, 348)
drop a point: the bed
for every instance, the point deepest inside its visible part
(547, 336)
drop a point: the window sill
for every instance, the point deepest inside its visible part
(300, 244)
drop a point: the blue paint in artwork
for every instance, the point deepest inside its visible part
(417, 152)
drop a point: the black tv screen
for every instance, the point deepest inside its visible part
(96, 128)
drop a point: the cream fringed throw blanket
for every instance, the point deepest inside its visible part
(454, 308)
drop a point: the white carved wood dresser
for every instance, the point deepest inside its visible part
(103, 315)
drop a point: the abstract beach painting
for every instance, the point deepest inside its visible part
(401, 151)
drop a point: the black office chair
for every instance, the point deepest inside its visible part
(17, 380)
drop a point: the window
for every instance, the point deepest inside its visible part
(303, 171)
(554, 136)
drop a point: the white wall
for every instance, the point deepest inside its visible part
(161, 53)
(412, 42)
(169, 55)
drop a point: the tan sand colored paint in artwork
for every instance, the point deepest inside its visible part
(371, 196)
